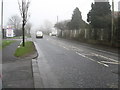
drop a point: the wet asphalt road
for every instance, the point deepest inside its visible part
(68, 64)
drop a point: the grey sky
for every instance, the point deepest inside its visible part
(42, 10)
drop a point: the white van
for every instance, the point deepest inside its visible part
(39, 34)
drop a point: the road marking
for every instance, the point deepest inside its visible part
(106, 57)
(98, 49)
(89, 54)
(80, 54)
(47, 39)
(75, 48)
(92, 59)
(92, 54)
(109, 62)
(69, 46)
(103, 64)
(64, 47)
(102, 50)
(60, 44)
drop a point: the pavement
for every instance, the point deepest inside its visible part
(68, 64)
(16, 72)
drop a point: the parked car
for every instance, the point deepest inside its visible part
(39, 34)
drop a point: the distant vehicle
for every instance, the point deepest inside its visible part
(53, 34)
(39, 34)
(50, 34)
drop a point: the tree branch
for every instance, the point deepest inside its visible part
(20, 8)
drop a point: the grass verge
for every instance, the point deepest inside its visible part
(6, 43)
(25, 51)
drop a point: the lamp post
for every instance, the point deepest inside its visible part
(57, 23)
(2, 30)
(112, 26)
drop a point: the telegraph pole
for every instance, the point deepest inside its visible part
(2, 30)
(57, 23)
(112, 28)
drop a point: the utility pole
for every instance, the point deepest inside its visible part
(57, 23)
(2, 19)
(112, 28)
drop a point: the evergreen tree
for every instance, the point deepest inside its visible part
(100, 15)
(76, 21)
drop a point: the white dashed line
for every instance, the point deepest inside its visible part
(105, 57)
(60, 44)
(91, 54)
(92, 59)
(64, 47)
(109, 62)
(103, 64)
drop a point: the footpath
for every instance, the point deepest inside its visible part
(16, 73)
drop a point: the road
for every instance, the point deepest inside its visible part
(69, 64)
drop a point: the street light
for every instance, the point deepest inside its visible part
(112, 27)
(2, 30)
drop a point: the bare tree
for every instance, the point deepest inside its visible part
(47, 26)
(23, 7)
(28, 28)
(63, 25)
(15, 21)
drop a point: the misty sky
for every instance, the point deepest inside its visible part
(48, 10)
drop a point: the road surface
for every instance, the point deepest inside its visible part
(69, 64)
